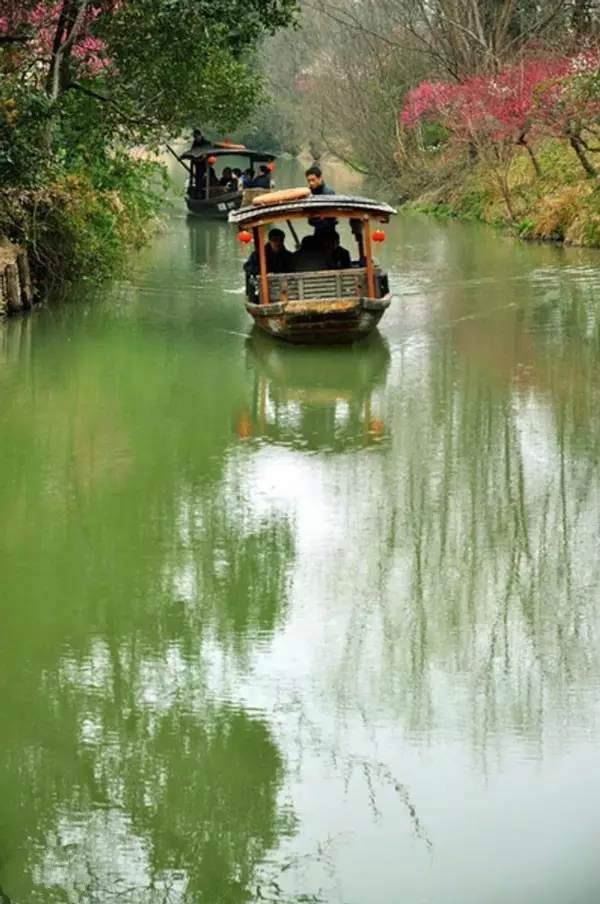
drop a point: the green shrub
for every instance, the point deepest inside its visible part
(86, 222)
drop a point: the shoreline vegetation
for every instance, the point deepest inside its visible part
(83, 83)
(515, 147)
(470, 109)
(562, 206)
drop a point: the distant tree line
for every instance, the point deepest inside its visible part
(342, 83)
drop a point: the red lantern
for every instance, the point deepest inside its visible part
(244, 426)
(244, 236)
(379, 235)
(211, 160)
(271, 167)
(376, 427)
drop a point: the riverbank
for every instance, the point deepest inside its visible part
(85, 223)
(16, 287)
(560, 203)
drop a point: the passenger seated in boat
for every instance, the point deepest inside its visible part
(263, 180)
(336, 257)
(279, 258)
(237, 176)
(226, 177)
(247, 177)
(310, 255)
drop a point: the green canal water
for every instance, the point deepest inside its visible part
(302, 625)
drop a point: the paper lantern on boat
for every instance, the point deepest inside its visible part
(376, 427)
(379, 235)
(211, 160)
(271, 166)
(244, 426)
(244, 237)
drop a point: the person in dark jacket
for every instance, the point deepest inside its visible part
(279, 258)
(310, 255)
(226, 177)
(337, 258)
(316, 183)
(199, 141)
(263, 180)
(247, 177)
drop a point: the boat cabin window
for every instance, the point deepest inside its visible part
(318, 251)
(321, 250)
(229, 179)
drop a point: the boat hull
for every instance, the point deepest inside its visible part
(338, 321)
(218, 207)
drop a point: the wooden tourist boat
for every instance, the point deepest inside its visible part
(203, 196)
(322, 306)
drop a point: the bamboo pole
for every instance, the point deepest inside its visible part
(178, 158)
(294, 233)
(262, 261)
(369, 259)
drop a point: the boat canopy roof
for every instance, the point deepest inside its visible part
(313, 205)
(195, 153)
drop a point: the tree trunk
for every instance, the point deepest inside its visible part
(504, 189)
(534, 161)
(577, 146)
(68, 29)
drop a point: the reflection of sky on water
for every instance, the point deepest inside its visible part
(304, 623)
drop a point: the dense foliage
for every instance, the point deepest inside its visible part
(424, 94)
(497, 113)
(82, 82)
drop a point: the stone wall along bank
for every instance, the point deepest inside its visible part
(16, 289)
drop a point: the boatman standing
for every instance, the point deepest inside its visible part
(199, 141)
(317, 186)
(316, 182)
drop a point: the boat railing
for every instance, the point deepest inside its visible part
(319, 284)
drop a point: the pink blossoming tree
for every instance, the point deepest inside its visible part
(495, 114)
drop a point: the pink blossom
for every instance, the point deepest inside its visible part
(539, 93)
(90, 52)
(428, 98)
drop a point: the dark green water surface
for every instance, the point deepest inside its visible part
(301, 625)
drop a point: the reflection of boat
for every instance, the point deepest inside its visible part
(205, 197)
(315, 398)
(316, 305)
(204, 241)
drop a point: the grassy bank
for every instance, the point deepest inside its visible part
(562, 204)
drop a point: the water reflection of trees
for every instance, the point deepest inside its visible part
(487, 586)
(121, 778)
(466, 572)
(179, 805)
